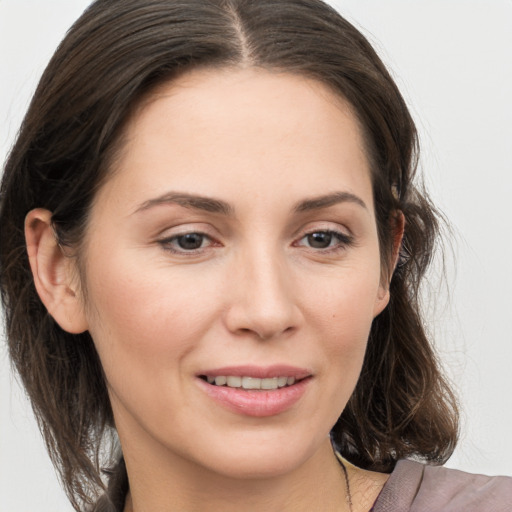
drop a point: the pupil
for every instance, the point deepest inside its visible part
(190, 241)
(319, 240)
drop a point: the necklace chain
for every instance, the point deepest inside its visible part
(347, 481)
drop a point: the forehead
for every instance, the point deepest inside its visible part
(215, 132)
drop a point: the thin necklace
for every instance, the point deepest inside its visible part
(347, 482)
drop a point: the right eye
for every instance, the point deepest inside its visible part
(186, 242)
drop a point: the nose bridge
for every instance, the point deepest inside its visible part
(264, 303)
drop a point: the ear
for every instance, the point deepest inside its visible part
(54, 273)
(398, 235)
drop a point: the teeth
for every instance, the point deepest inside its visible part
(251, 382)
(269, 383)
(234, 382)
(281, 381)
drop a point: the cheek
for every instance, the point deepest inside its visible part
(345, 303)
(339, 320)
(341, 311)
(142, 313)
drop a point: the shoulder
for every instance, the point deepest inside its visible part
(417, 487)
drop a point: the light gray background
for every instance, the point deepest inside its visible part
(452, 60)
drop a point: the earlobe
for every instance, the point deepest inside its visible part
(382, 300)
(53, 273)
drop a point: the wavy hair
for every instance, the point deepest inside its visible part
(114, 56)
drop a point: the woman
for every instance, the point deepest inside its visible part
(211, 248)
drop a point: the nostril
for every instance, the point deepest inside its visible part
(263, 314)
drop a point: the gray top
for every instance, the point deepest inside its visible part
(411, 487)
(416, 487)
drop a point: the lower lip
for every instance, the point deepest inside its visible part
(256, 403)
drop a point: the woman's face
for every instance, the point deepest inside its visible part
(235, 244)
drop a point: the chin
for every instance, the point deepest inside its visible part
(251, 466)
(255, 456)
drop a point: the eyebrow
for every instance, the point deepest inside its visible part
(316, 203)
(195, 202)
(211, 205)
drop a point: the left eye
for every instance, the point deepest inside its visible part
(187, 242)
(324, 240)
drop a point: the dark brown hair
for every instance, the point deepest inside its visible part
(113, 56)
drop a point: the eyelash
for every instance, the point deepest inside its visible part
(342, 242)
(168, 243)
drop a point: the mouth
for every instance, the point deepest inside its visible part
(254, 390)
(253, 383)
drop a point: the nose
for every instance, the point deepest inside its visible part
(263, 302)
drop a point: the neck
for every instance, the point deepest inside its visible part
(171, 485)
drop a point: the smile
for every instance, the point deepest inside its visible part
(234, 381)
(257, 391)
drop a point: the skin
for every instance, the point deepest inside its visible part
(257, 291)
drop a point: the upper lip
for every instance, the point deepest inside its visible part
(260, 372)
